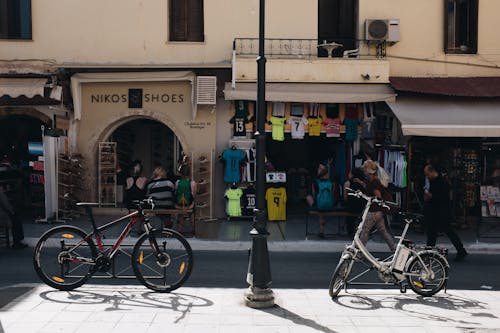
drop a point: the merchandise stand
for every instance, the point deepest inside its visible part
(107, 174)
(202, 171)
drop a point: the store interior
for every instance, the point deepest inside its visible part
(21, 171)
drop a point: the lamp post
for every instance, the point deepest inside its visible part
(258, 294)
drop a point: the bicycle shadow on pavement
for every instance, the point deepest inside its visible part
(297, 319)
(425, 308)
(117, 300)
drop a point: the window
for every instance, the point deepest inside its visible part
(15, 19)
(186, 20)
(461, 17)
(337, 21)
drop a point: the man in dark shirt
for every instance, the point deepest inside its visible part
(438, 198)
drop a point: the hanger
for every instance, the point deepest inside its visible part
(233, 147)
(234, 186)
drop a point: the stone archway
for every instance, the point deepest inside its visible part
(103, 131)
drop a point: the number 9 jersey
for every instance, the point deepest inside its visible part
(276, 204)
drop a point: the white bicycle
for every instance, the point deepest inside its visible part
(423, 269)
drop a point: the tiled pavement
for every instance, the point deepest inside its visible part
(135, 309)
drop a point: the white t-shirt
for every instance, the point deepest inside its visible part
(297, 124)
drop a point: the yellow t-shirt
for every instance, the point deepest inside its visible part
(315, 126)
(278, 128)
(276, 204)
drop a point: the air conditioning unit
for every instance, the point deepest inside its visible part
(382, 30)
(206, 90)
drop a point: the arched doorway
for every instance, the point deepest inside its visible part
(149, 141)
(21, 172)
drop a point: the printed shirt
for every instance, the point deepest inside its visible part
(233, 157)
(276, 204)
(233, 201)
(278, 128)
(249, 201)
(332, 127)
(315, 126)
(297, 124)
(239, 126)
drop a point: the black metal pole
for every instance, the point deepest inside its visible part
(258, 294)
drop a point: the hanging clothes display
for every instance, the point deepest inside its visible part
(278, 132)
(276, 203)
(315, 126)
(240, 118)
(297, 126)
(251, 167)
(332, 127)
(233, 196)
(249, 201)
(232, 158)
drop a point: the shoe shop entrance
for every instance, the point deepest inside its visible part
(148, 141)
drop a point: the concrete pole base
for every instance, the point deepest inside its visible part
(258, 298)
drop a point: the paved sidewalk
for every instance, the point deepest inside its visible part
(135, 309)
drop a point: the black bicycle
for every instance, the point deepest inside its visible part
(65, 257)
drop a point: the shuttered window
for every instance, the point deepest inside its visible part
(186, 20)
(461, 20)
(15, 19)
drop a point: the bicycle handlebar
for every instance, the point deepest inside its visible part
(141, 204)
(378, 201)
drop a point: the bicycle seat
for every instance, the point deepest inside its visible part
(87, 204)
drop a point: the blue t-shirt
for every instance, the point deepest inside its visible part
(232, 157)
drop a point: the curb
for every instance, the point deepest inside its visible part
(306, 246)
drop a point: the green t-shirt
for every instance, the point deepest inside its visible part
(233, 201)
(278, 128)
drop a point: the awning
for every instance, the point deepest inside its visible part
(313, 92)
(447, 118)
(449, 86)
(15, 87)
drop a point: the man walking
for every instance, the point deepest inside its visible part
(438, 198)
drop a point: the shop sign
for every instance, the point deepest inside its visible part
(197, 124)
(136, 97)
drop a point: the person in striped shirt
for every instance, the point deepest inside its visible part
(161, 190)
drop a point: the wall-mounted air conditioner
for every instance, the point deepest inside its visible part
(382, 30)
(206, 90)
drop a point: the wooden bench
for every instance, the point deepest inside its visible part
(187, 212)
(334, 213)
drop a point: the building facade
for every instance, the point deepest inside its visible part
(165, 76)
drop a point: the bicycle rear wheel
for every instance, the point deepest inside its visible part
(162, 260)
(63, 258)
(340, 276)
(420, 280)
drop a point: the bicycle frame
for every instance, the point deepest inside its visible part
(135, 217)
(383, 266)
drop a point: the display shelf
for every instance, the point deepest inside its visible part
(203, 176)
(71, 188)
(107, 173)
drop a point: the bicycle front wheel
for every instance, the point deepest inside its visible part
(427, 277)
(340, 276)
(63, 258)
(162, 260)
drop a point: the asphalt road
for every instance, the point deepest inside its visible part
(288, 269)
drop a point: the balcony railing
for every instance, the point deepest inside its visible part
(306, 48)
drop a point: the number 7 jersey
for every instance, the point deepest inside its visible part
(276, 204)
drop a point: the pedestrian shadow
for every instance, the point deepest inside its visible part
(117, 300)
(406, 305)
(296, 318)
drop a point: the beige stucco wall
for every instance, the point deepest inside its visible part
(100, 119)
(422, 37)
(136, 32)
